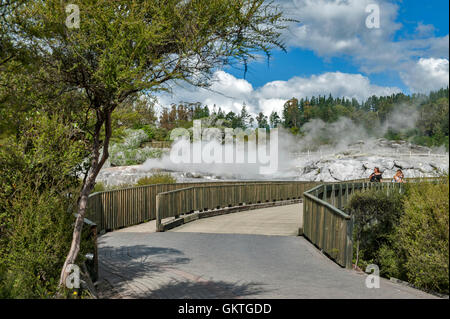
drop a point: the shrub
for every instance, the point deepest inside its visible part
(99, 187)
(39, 172)
(159, 178)
(406, 235)
(422, 235)
(149, 130)
(129, 152)
(375, 212)
(41, 233)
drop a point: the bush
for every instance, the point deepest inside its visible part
(41, 233)
(156, 179)
(375, 212)
(99, 187)
(129, 152)
(39, 172)
(150, 131)
(422, 235)
(407, 235)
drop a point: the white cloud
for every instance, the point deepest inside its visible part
(230, 93)
(425, 30)
(333, 28)
(427, 74)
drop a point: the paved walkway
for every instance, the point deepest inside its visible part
(281, 220)
(139, 263)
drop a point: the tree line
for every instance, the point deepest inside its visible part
(427, 116)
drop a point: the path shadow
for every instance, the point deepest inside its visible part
(141, 271)
(119, 265)
(203, 290)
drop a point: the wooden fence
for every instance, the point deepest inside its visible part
(325, 223)
(120, 208)
(130, 206)
(197, 198)
(160, 144)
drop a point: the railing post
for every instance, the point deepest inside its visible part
(158, 214)
(349, 244)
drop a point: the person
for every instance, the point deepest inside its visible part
(376, 176)
(399, 177)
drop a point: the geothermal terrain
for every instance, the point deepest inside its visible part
(352, 161)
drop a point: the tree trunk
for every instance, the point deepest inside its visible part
(76, 237)
(357, 253)
(88, 185)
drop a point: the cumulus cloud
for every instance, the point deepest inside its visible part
(230, 93)
(338, 28)
(427, 75)
(333, 28)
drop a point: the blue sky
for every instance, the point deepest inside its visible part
(332, 51)
(304, 62)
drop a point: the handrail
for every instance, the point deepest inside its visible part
(334, 209)
(125, 207)
(120, 208)
(327, 226)
(185, 200)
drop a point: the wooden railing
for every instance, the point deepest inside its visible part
(197, 198)
(160, 144)
(120, 208)
(130, 206)
(325, 223)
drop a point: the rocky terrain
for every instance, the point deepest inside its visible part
(353, 161)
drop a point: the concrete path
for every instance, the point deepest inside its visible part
(180, 264)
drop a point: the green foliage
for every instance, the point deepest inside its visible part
(422, 236)
(375, 214)
(406, 234)
(159, 178)
(156, 133)
(32, 257)
(150, 131)
(130, 152)
(99, 187)
(135, 115)
(430, 113)
(39, 172)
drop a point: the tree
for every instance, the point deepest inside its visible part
(123, 48)
(274, 119)
(244, 117)
(291, 113)
(261, 119)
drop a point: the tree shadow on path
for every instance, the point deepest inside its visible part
(141, 271)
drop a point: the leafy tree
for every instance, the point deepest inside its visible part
(261, 119)
(243, 120)
(291, 114)
(123, 48)
(274, 119)
(134, 115)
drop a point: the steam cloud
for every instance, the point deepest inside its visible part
(319, 139)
